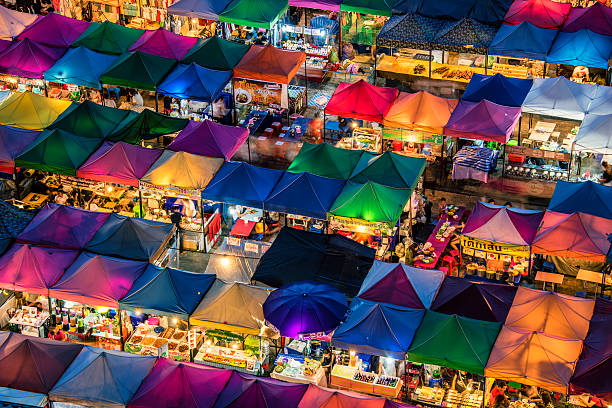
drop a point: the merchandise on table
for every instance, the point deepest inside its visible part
(29, 321)
(355, 379)
(362, 139)
(398, 64)
(159, 341)
(222, 348)
(432, 395)
(298, 368)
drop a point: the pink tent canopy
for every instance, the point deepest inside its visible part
(55, 30)
(540, 13)
(482, 120)
(318, 397)
(120, 163)
(27, 58)
(209, 139)
(361, 100)
(597, 18)
(13, 22)
(164, 43)
(330, 5)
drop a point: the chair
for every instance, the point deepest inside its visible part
(450, 262)
(548, 267)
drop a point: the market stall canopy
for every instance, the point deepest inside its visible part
(409, 29)
(210, 139)
(138, 70)
(13, 22)
(207, 9)
(147, 125)
(453, 341)
(194, 82)
(167, 291)
(80, 66)
(325, 160)
(583, 47)
(476, 300)
(498, 89)
(232, 268)
(371, 202)
(29, 59)
(254, 13)
(480, 10)
(131, 238)
(119, 163)
(533, 358)
(483, 120)
(301, 255)
(41, 362)
(597, 18)
(361, 100)
(28, 110)
(32, 269)
(13, 141)
(108, 38)
(465, 35)
(269, 64)
(420, 111)
(24, 398)
(569, 198)
(164, 43)
(594, 134)
(577, 235)
(320, 397)
(389, 169)
(304, 194)
(401, 285)
(97, 280)
(373, 7)
(559, 97)
(54, 30)
(13, 220)
(601, 102)
(101, 378)
(215, 52)
(540, 13)
(241, 183)
(183, 170)
(232, 306)
(329, 5)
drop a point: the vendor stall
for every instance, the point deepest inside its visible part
(54, 30)
(108, 38)
(80, 66)
(445, 230)
(325, 160)
(209, 139)
(17, 22)
(13, 142)
(148, 125)
(138, 70)
(26, 110)
(569, 198)
(216, 53)
(163, 43)
(473, 162)
(28, 59)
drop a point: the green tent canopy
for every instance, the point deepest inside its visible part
(371, 202)
(374, 7)
(389, 169)
(138, 70)
(325, 160)
(216, 53)
(454, 341)
(108, 38)
(57, 151)
(147, 125)
(255, 13)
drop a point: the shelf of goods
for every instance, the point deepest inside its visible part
(243, 360)
(362, 139)
(298, 369)
(430, 395)
(455, 399)
(157, 341)
(410, 66)
(30, 321)
(356, 380)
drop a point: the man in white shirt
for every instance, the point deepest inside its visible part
(137, 99)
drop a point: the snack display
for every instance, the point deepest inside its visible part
(429, 394)
(151, 340)
(24, 318)
(298, 369)
(455, 399)
(226, 356)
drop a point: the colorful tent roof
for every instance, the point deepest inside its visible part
(540, 13)
(215, 52)
(523, 40)
(480, 10)
(13, 141)
(241, 183)
(594, 134)
(256, 13)
(27, 110)
(97, 280)
(465, 34)
(183, 170)
(597, 18)
(62, 226)
(13, 220)
(33, 269)
(80, 66)
(208, 9)
(476, 300)
(194, 82)
(104, 378)
(108, 38)
(327, 397)
(304, 194)
(131, 238)
(374, 7)
(420, 111)
(210, 139)
(138, 70)
(13, 22)
(377, 328)
(559, 97)
(54, 30)
(576, 235)
(361, 100)
(568, 198)
(147, 125)
(325, 160)
(453, 341)
(389, 169)
(409, 29)
(583, 47)
(601, 101)
(401, 285)
(498, 89)
(270, 64)
(330, 5)
(167, 291)
(164, 43)
(483, 120)
(533, 358)
(27, 58)
(119, 163)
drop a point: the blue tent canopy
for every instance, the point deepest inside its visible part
(602, 100)
(405, 29)
(497, 89)
(102, 378)
(379, 329)
(559, 97)
(13, 220)
(167, 291)
(12, 398)
(131, 238)
(241, 183)
(594, 134)
(205, 9)
(483, 11)
(194, 82)
(583, 47)
(586, 197)
(465, 33)
(523, 40)
(80, 66)
(304, 194)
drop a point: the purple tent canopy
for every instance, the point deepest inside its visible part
(176, 384)
(13, 142)
(55, 30)
(209, 139)
(164, 43)
(482, 120)
(331, 5)
(27, 58)
(62, 226)
(597, 18)
(4, 44)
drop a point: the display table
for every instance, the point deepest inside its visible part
(464, 172)
(360, 381)
(224, 357)
(30, 321)
(299, 369)
(150, 341)
(34, 199)
(438, 246)
(254, 121)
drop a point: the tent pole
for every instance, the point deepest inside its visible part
(140, 202)
(212, 111)
(45, 85)
(504, 162)
(569, 164)
(340, 38)
(485, 62)
(324, 121)
(202, 217)
(234, 110)
(306, 82)
(519, 129)
(430, 58)
(406, 375)
(156, 100)
(442, 161)
(120, 326)
(17, 195)
(190, 349)
(50, 313)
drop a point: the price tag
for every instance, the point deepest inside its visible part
(191, 338)
(264, 249)
(479, 254)
(251, 247)
(233, 241)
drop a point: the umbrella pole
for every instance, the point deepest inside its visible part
(486, 60)
(306, 82)
(156, 100)
(140, 202)
(569, 164)
(430, 58)
(405, 378)
(202, 217)
(45, 85)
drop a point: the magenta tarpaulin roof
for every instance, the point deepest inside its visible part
(482, 120)
(361, 100)
(540, 13)
(209, 139)
(597, 18)
(27, 58)
(120, 163)
(164, 43)
(97, 280)
(62, 226)
(330, 5)
(503, 224)
(55, 30)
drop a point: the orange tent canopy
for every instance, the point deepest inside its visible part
(420, 111)
(270, 64)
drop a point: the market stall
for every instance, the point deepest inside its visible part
(325, 160)
(28, 59)
(559, 97)
(473, 162)
(16, 22)
(27, 110)
(592, 136)
(216, 53)
(209, 139)
(498, 88)
(568, 198)
(138, 70)
(79, 66)
(582, 48)
(242, 388)
(163, 43)
(148, 125)
(108, 38)
(541, 13)
(253, 13)
(389, 169)
(448, 222)
(54, 30)
(13, 221)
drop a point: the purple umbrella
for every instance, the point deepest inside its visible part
(305, 308)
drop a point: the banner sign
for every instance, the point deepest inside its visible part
(172, 191)
(250, 92)
(538, 153)
(358, 225)
(469, 244)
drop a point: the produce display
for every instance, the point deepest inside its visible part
(445, 231)
(149, 340)
(227, 356)
(299, 368)
(26, 318)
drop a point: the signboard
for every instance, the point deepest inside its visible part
(170, 191)
(359, 226)
(251, 247)
(537, 153)
(250, 92)
(233, 241)
(468, 243)
(413, 136)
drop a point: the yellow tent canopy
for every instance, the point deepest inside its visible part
(420, 111)
(183, 170)
(28, 110)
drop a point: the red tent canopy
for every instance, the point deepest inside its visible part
(269, 64)
(361, 100)
(540, 13)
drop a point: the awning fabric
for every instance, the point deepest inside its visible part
(594, 134)
(389, 169)
(330, 5)
(597, 18)
(13, 22)
(559, 97)
(13, 141)
(164, 43)
(601, 102)
(147, 125)
(374, 7)
(27, 110)
(254, 13)
(184, 170)
(108, 38)
(80, 66)
(480, 10)
(540, 13)
(215, 53)
(13, 220)
(420, 111)
(498, 89)
(232, 268)
(325, 160)
(328, 397)
(138, 70)
(361, 100)
(27, 58)
(208, 9)
(465, 35)
(270, 64)
(583, 47)
(569, 197)
(55, 30)
(210, 139)
(409, 29)
(483, 120)
(194, 82)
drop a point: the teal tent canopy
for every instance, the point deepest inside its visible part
(80, 66)
(138, 70)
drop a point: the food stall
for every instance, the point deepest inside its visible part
(429, 255)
